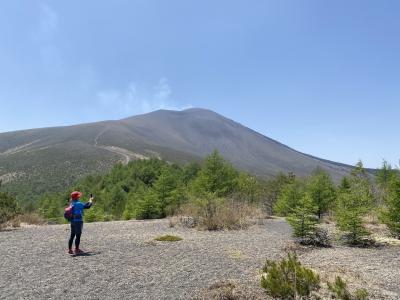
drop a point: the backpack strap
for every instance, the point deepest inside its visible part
(72, 210)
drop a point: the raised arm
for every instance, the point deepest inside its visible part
(88, 204)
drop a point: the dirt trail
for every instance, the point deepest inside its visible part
(19, 148)
(126, 154)
(124, 262)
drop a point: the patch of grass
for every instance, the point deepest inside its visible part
(168, 238)
(31, 219)
(235, 254)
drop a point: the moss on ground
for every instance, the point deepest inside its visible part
(168, 238)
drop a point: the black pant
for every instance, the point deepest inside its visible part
(76, 231)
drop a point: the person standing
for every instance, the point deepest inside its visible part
(77, 220)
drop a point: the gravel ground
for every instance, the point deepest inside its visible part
(124, 261)
(377, 270)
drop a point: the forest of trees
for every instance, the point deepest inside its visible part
(304, 201)
(146, 189)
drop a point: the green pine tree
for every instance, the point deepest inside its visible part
(148, 207)
(289, 197)
(303, 219)
(249, 188)
(322, 191)
(385, 175)
(217, 176)
(51, 207)
(391, 213)
(272, 190)
(163, 188)
(353, 204)
(383, 179)
(344, 184)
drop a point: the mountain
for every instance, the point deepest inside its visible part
(50, 159)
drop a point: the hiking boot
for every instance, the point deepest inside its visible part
(70, 251)
(78, 251)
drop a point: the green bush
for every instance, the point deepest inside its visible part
(127, 214)
(340, 291)
(94, 214)
(51, 207)
(361, 294)
(8, 208)
(288, 279)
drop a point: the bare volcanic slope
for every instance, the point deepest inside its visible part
(50, 159)
(200, 131)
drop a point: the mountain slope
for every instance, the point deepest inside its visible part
(50, 159)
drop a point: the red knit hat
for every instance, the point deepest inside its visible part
(76, 195)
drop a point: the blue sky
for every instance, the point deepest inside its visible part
(320, 76)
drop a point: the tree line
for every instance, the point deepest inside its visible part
(304, 201)
(154, 188)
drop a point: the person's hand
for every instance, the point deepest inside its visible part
(91, 199)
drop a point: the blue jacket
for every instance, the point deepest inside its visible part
(77, 210)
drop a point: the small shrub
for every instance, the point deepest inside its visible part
(127, 215)
(340, 291)
(188, 222)
(108, 218)
(365, 242)
(218, 214)
(223, 290)
(361, 294)
(288, 279)
(168, 238)
(320, 238)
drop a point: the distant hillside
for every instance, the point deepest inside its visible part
(50, 159)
